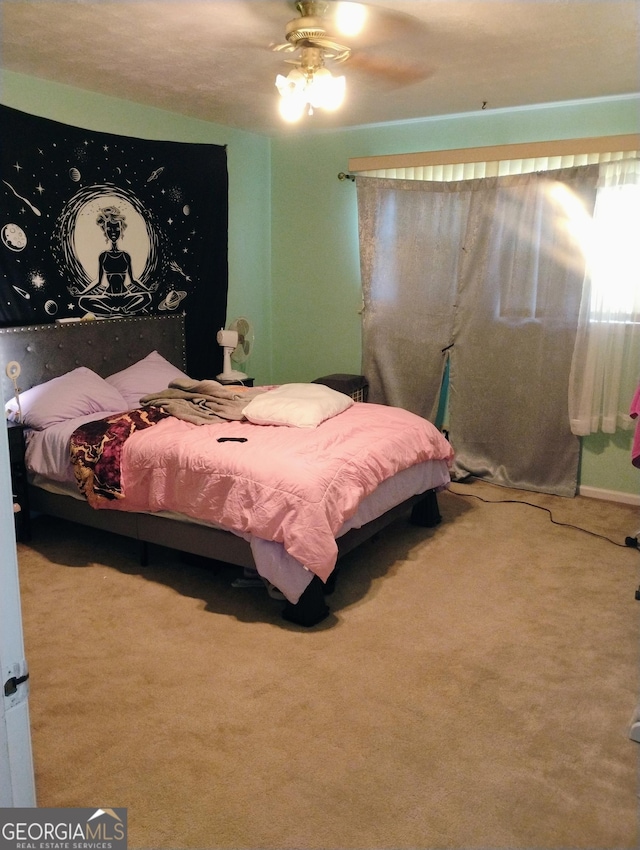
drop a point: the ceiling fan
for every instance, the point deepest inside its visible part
(312, 28)
(363, 35)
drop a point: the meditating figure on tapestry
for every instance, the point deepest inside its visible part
(116, 291)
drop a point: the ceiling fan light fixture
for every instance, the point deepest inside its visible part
(326, 91)
(293, 84)
(306, 89)
(292, 107)
(350, 18)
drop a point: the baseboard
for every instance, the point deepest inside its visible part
(609, 495)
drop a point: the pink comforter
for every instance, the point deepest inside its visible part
(291, 485)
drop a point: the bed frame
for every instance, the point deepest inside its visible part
(108, 346)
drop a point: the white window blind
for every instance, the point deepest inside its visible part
(499, 168)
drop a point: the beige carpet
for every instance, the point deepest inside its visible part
(472, 688)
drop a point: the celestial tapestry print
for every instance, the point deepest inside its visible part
(106, 225)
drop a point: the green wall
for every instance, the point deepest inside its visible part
(293, 234)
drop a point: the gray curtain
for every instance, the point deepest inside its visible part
(410, 237)
(489, 274)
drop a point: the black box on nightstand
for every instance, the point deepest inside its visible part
(355, 386)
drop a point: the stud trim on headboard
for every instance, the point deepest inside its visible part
(104, 345)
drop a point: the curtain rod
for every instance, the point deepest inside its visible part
(344, 176)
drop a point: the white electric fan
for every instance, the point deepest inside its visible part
(236, 342)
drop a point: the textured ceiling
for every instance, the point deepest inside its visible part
(212, 59)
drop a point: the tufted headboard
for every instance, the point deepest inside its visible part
(104, 345)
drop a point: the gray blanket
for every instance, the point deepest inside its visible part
(202, 401)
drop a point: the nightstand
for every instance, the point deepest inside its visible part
(15, 433)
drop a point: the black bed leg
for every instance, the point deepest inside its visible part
(311, 608)
(426, 512)
(144, 553)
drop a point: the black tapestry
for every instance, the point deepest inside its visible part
(93, 223)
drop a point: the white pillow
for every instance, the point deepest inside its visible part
(296, 405)
(69, 396)
(149, 375)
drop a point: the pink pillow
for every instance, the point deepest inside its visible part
(149, 375)
(69, 396)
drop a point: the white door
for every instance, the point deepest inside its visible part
(17, 786)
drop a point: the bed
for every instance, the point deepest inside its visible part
(292, 517)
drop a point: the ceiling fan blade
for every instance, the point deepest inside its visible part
(283, 47)
(390, 72)
(339, 52)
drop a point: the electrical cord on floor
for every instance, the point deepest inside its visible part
(630, 542)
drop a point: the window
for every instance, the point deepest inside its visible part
(614, 251)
